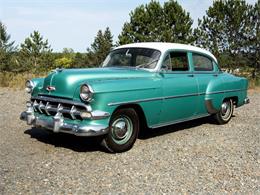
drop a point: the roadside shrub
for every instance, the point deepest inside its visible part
(16, 80)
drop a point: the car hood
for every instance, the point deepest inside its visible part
(64, 82)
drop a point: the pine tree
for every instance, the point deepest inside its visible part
(99, 49)
(36, 52)
(5, 43)
(225, 31)
(254, 38)
(153, 22)
(7, 49)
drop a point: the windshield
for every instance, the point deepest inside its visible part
(133, 57)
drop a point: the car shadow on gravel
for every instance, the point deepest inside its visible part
(147, 133)
(75, 143)
(92, 144)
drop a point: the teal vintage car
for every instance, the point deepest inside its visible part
(138, 85)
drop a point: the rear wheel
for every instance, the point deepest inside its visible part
(225, 113)
(123, 130)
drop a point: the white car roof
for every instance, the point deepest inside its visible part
(162, 46)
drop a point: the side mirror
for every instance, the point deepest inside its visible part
(164, 68)
(163, 71)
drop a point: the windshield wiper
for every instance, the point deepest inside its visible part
(146, 65)
(119, 66)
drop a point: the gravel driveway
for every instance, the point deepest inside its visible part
(193, 157)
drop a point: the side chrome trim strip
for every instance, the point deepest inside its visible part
(171, 97)
(134, 101)
(225, 91)
(180, 96)
(153, 99)
(178, 121)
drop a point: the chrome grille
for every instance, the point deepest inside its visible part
(52, 106)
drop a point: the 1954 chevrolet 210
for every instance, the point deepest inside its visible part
(139, 85)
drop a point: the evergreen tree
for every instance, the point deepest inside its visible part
(80, 60)
(153, 22)
(7, 50)
(99, 49)
(254, 37)
(226, 30)
(36, 53)
(5, 43)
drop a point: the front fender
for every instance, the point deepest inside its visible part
(38, 85)
(110, 94)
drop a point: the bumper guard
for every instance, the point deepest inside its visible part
(57, 124)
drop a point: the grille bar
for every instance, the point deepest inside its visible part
(52, 106)
(64, 101)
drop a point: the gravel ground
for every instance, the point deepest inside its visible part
(193, 157)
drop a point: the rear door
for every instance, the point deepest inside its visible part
(207, 76)
(179, 88)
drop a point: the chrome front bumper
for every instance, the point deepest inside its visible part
(57, 124)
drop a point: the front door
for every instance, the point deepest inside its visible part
(180, 89)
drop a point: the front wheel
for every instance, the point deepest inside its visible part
(225, 113)
(123, 130)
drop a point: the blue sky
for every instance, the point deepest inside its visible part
(74, 23)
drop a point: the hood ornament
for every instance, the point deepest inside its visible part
(57, 70)
(50, 88)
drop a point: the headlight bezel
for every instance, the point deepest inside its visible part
(29, 86)
(86, 93)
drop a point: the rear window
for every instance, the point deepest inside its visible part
(202, 63)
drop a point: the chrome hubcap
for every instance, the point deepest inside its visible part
(119, 129)
(226, 110)
(122, 129)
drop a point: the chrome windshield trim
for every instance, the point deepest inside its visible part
(59, 100)
(155, 69)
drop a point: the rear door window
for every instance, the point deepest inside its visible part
(176, 61)
(202, 63)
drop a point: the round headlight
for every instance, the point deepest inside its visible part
(86, 93)
(29, 85)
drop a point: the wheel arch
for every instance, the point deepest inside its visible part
(211, 109)
(233, 98)
(139, 111)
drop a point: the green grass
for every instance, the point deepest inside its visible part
(253, 83)
(17, 80)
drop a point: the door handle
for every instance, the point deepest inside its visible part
(190, 75)
(215, 75)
